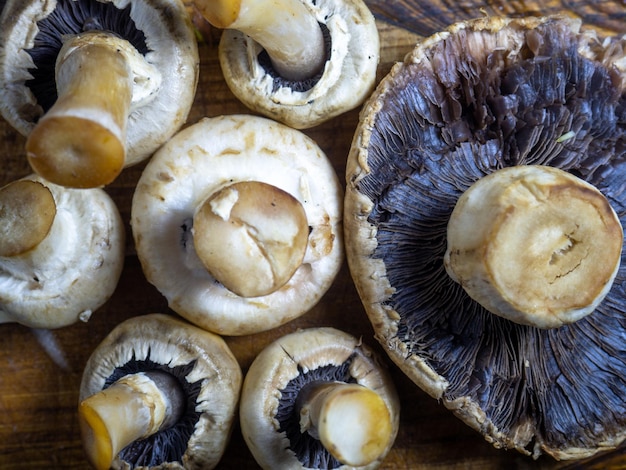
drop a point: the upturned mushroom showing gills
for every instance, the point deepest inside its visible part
(95, 85)
(484, 216)
(318, 399)
(237, 221)
(300, 62)
(61, 252)
(158, 393)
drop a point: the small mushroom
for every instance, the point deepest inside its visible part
(318, 398)
(95, 85)
(61, 252)
(300, 62)
(237, 222)
(443, 230)
(158, 393)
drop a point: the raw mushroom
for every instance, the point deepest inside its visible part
(95, 86)
(300, 62)
(61, 252)
(318, 398)
(158, 393)
(471, 100)
(237, 222)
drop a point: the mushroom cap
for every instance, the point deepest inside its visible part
(171, 48)
(202, 159)
(74, 270)
(290, 357)
(479, 96)
(346, 81)
(162, 342)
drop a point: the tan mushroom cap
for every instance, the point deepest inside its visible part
(347, 79)
(200, 161)
(171, 342)
(74, 268)
(286, 358)
(172, 51)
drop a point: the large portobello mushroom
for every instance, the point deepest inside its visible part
(479, 97)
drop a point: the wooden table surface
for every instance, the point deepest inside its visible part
(41, 370)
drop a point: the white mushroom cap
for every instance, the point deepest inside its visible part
(170, 343)
(172, 49)
(74, 270)
(289, 357)
(348, 77)
(205, 158)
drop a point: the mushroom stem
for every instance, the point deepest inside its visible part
(351, 421)
(136, 406)
(535, 245)
(81, 141)
(286, 29)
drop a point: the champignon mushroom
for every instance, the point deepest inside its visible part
(480, 96)
(318, 398)
(158, 393)
(95, 85)
(237, 222)
(300, 62)
(61, 252)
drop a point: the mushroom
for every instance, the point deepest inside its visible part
(300, 62)
(237, 222)
(95, 85)
(318, 398)
(61, 252)
(483, 96)
(158, 393)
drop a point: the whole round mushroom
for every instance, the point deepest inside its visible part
(61, 252)
(487, 295)
(95, 85)
(158, 392)
(300, 62)
(318, 398)
(237, 221)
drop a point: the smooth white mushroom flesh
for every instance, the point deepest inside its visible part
(135, 407)
(352, 421)
(350, 56)
(286, 29)
(214, 157)
(65, 268)
(81, 140)
(251, 237)
(534, 244)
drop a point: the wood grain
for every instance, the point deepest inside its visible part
(39, 389)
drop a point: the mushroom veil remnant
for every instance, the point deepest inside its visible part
(61, 252)
(319, 399)
(237, 222)
(95, 85)
(484, 219)
(158, 393)
(300, 62)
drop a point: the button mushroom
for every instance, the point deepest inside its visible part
(158, 392)
(237, 222)
(434, 257)
(300, 62)
(95, 85)
(318, 398)
(61, 252)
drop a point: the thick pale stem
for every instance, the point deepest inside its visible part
(535, 245)
(286, 29)
(351, 421)
(251, 237)
(135, 407)
(81, 140)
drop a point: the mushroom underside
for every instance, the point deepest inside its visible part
(460, 111)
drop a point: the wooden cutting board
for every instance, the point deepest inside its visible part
(41, 370)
